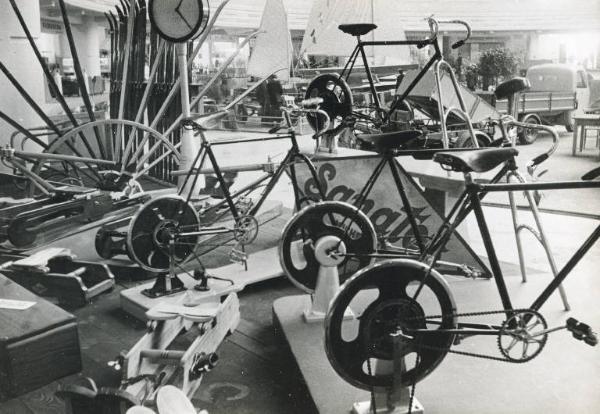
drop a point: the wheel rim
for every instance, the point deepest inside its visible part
(154, 224)
(148, 149)
(528, 134)
(302, 232)
(382, 298)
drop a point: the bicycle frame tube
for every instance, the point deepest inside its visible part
(475, 202)
(405, 202)
(359, 49)
(475, 190)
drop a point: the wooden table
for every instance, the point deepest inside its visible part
(583, 121)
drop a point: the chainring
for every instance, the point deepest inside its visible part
(519, 329)
(245, 229)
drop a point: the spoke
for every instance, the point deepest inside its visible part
(512, 344)
(525, 347)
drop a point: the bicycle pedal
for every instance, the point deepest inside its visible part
(238, 256)
(582, 332)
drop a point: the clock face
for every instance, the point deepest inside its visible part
(178, 20)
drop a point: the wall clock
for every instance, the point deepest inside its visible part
(179, 20)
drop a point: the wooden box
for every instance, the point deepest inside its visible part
(37, 345)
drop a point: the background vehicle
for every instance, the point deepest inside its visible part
(558, 91)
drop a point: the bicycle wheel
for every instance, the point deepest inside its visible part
(125, 152)
(382, 297)
(327, 218)
(158, 223)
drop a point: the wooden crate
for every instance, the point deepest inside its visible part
(37, 345)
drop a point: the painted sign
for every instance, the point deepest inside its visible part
(343, 179)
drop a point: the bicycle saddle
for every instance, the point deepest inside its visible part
(206, 121)
(390, 140)
(512, 86)
(475, 160)
(357, 29)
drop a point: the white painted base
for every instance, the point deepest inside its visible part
(364, 407)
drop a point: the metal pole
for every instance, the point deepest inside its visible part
(126, 57)
(189, 145)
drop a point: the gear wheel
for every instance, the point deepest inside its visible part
(522, 336)
(245, 230)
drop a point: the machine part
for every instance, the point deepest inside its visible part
(165, 284)
(465, 141)
(202, 363)
(582, 332)
(25, 228)
(157, 223)
(528, 135)
(54, 272)
(151, 354)
(392, 295)
(523, 336)
(245, 229)
(336, 95)
(327, 218)
(110, 243)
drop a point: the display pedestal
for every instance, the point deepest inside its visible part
(262, 265)
(328, 279)
(306, 343)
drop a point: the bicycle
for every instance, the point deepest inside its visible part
(346, 220)
(167, 231)
(412, 299)
(338, 100)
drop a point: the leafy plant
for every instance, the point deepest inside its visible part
(495, 64)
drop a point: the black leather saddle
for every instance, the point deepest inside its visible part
(476, 160)
(510, 87)
(206, 121)
(388, 141)
(357, 29)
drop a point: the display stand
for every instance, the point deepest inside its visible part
(262, 265)
(395, 399)
(329, 252)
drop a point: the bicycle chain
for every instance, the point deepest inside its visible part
(466, 353)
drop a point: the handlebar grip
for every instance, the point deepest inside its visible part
(311, 102)
(458, 44)
(539, 159)
(590, 175)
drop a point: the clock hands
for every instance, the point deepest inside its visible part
(181, 15)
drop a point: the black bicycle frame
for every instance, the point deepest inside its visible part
(292, 155)
(473, 193)
(359, 49)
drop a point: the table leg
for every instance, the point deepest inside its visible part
(575, 126)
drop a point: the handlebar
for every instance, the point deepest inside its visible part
(289, 111)
(434, 26)
(508, 120)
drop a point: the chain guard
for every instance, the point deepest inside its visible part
(388, 288)
(337, 98)
(327, 218)
(152, 227)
